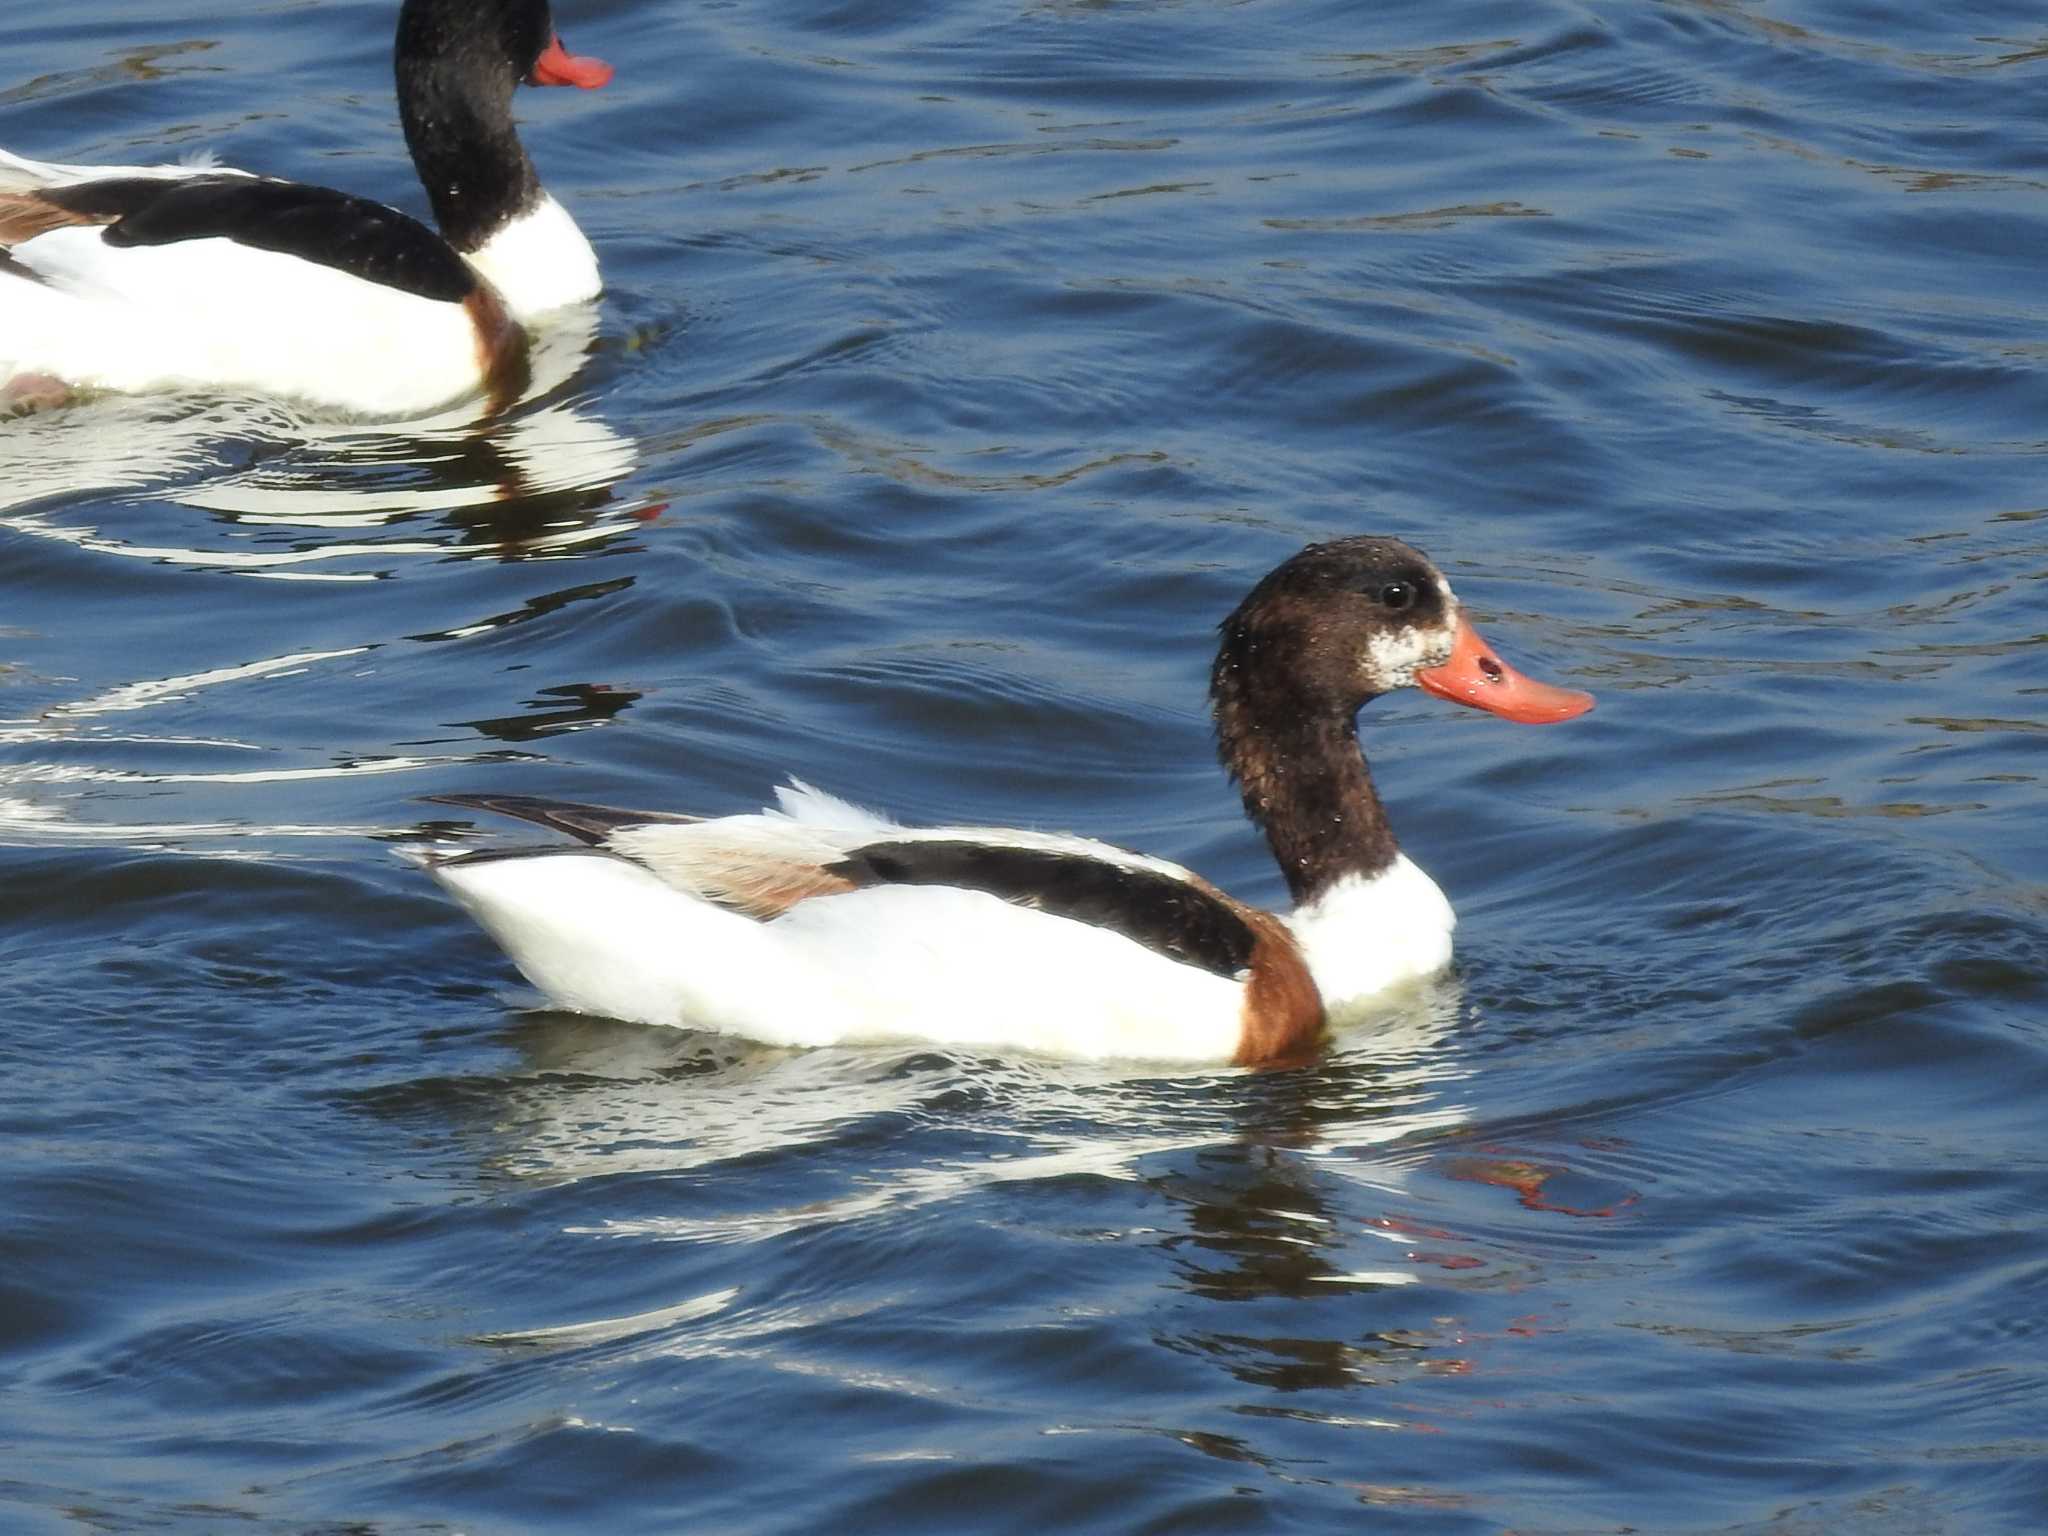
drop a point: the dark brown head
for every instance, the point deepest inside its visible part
(1335, 626)
(1343, 622)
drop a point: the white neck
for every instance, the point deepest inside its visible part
(1367, 932)
(540, 261)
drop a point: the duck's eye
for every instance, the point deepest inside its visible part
(1397, 595)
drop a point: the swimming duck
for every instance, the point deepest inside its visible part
(146, 277)
(817, 922)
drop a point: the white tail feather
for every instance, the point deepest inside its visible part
(812, 806)
(602, 935)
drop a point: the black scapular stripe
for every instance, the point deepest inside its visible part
(318, 224)
(1163, 913)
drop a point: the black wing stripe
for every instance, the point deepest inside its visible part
(507, 855)
(316, 224)
(1181, 921)
(9, 267)
(587, 823)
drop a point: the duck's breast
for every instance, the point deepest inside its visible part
(1367, 933)
(540, 261)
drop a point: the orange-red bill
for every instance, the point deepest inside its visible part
(1475, 676)
(558, 66)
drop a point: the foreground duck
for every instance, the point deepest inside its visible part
(820, 922)
(151, 277)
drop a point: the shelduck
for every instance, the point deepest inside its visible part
(136, 278)
(817, 922)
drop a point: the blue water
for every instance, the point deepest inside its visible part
(960, 366)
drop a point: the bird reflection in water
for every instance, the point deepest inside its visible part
(295, 496)
(567, 707)
(1273, 1176)
(142, 494)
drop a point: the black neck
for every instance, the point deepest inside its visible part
(457, 114)
(1293, 751)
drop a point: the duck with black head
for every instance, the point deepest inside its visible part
(136, 278)
(818, 922)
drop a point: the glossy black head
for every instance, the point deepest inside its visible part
(494, 44)
(457, 64)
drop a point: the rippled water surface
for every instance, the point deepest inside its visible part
(959, 367)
